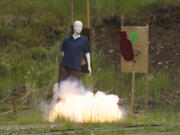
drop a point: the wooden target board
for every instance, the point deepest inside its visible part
(139, 37)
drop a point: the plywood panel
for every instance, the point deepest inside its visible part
(139, 36)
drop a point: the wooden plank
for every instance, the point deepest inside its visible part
(14, 103)
(121, 73)
(72, 11)
(88, 14)
(147, 75)
(140, 49)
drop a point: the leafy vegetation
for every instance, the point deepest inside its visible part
(31, 32)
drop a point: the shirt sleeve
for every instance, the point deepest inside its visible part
(62, 46)
(87, 46)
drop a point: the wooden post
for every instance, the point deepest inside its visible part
(91, 83)
(146, 92)
(122, 20)
(14, 105)
(121, 74)
(146, 76)
(72, 11)
(133, 86)
(88, 14)
(93, 19)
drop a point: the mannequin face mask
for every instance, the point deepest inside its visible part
(78, 26)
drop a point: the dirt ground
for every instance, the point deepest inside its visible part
(52, 129)
(164, 50)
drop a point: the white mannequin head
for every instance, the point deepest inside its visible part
(78, 26)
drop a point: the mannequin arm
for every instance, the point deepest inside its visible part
(89, 62)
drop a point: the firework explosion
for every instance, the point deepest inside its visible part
(72, 101)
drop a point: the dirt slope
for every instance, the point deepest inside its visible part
(164, 47)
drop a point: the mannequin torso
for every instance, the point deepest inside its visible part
(70, 51)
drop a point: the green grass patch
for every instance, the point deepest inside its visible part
(35, 66)
(161, 120)
(165, 115)
(158, 84)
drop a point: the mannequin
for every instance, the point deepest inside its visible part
(73, 48)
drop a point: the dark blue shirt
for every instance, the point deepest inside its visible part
(74, 50)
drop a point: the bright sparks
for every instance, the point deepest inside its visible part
(81, 105)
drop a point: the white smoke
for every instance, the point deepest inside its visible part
(71, 100)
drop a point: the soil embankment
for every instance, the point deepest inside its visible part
(164, 36)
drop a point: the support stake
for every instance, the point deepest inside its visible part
(14, 105)
(72, 11)
(133, 85)
(88, 14)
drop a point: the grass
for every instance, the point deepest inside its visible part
(34, 66)
(38, 64)
(166, 117)
(57, 8)
(163, 115)
(38, 85)
(96, 132)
